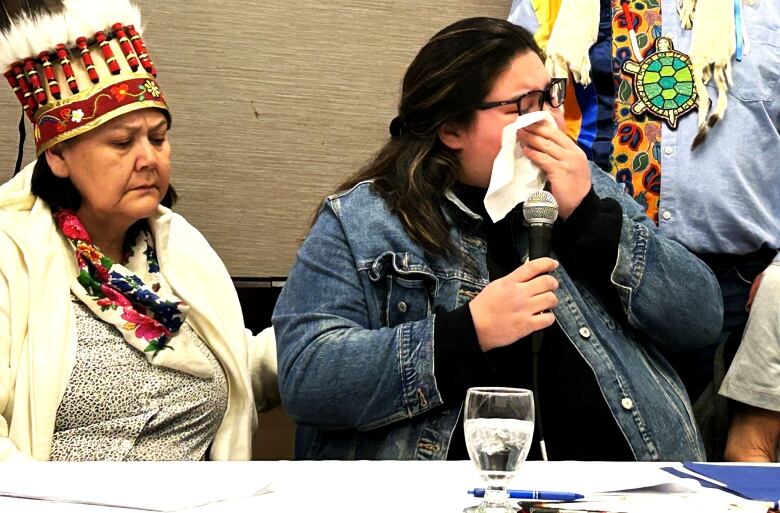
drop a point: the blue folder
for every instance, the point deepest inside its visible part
(756, 482)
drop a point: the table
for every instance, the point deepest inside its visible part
(312, 486)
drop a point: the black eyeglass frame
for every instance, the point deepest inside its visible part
(545, 97)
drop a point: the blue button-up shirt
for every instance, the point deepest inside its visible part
(723, 197)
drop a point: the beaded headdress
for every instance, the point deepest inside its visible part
(76, 64)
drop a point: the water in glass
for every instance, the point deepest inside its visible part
(498, 424)
(498, 446)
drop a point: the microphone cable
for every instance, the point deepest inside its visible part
(536, 345)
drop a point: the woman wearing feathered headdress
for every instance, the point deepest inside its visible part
(121, 335)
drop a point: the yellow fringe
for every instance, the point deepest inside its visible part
(546, 13)
(575, 31)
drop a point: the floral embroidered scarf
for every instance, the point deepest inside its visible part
(133, 298)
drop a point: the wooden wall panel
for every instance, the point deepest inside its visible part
(274, 103)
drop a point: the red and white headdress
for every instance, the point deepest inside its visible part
(76, 64)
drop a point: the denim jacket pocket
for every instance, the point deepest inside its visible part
(405, 285)
(407, 300)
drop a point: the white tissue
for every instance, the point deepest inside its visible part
(514, 177)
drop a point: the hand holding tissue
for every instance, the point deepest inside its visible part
(514, 176)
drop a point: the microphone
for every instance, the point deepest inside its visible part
(540, 211)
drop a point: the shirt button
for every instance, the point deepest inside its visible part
(127, 445)
(584, 332)
(668, 150)
(627, 403)
(402, 307)
(667, 215)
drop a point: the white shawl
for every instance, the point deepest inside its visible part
(38, 334)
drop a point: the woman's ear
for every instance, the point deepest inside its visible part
(451, 136)
(57, 162)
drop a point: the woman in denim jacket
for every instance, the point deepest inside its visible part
(405, 294)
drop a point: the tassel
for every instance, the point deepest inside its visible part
(11, 78)
(48, 72)
(124, 44)
(140, 49)
(575, 31)
(62, 55)
(87, 58)
(30, 105)
(108, 54)
(35, 80)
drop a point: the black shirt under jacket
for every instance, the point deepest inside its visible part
(577, 422)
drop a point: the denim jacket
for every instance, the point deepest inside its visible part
(355, 321)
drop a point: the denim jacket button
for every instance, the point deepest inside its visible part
(402, 306)
(627, 403)
(584, 332)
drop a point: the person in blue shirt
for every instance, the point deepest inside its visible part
(405, 293)
(719, 199)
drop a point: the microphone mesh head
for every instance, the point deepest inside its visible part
(540, 208)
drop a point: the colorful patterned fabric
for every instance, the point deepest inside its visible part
(133, 298)
(587, 109)
(62, 120)
(636, 153)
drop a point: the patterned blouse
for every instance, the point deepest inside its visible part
(118, 406)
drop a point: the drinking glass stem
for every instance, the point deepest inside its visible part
(495, 495)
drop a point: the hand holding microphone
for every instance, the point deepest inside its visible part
(516, 305)
(519, 304)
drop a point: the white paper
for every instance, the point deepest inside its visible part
(591, 477)
(163, 487)
(514, 177)
(705, 500)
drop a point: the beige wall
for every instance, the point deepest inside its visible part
(273, 104)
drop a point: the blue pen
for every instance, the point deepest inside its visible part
(534, 495)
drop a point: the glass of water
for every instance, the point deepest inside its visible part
(499, 427)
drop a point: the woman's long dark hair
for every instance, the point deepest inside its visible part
(445, 82)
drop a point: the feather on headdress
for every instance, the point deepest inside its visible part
(75, 64)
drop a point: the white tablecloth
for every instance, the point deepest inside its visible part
(313, 487)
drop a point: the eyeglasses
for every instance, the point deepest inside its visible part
(533, 101)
